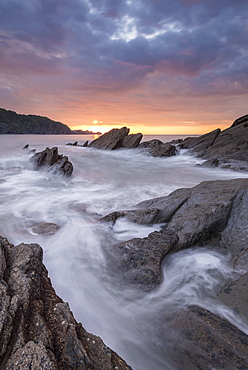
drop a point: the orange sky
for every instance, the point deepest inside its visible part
(157, 67)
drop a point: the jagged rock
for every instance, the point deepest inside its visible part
(139, 260)
(229, 147)
(115, 139)
(201, 143)
(213, 211)
(204, 341)
(132, 140)
(235, 296)
(157, 148)
(38, 330)
(56, 162)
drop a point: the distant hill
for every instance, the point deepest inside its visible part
(13, 123)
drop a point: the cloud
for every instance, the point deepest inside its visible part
(160, 48)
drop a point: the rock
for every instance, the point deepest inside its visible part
(76, 144)
(204, 341)
(44, 228)
(115, 139)
(205, 214)
(243, 119)
(201, 143)
(235, 296)
(38, 330)
(26, 146)
(141, 217)
(157, 148)
(139, 260)
(213, 162)
(132, 140)
(229, 147)
(50, 158)
(213, 211)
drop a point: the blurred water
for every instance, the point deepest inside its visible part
(102, 182)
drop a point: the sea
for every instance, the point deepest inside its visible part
(128, 321)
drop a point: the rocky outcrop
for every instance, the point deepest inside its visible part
(38, 330)
(227, 148)
(212, 212)
(138, 261)
(157, 148)
(57, 163)
(116, 139)
(204, 341)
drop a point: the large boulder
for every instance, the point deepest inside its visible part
(157, 148)
(38, 330)
(55, 162)
(115, 139)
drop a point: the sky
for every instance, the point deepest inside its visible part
(155, 66)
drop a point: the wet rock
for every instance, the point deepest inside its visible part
(157, 148)
(141, 217)
(44, 228)
(211, 212)
(139, 260)
(56, 163)
(204, 341)
(115, 139)
(38, 330)
(213, 162)
(26, 146)
(235, 296)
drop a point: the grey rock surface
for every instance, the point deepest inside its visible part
(157, 148)
(116, 139)
(235, 296)
(227, 148)
(204, 341)
(57, 163)
(37, 329)
(138, 261)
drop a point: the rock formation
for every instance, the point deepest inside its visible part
(38, 330)
(157, 148)
(117, 138)
(57, 163)
(138, 261)
(211, 212)
(227, 148)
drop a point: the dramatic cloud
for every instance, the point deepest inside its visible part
(151, 62)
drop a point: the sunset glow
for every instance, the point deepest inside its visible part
(155, 66)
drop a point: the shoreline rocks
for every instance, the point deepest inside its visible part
(212, 211)
(38, 330)
(57, 163)
(225, 149)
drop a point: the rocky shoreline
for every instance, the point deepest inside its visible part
(38, 330)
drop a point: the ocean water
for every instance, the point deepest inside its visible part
(102, 182)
